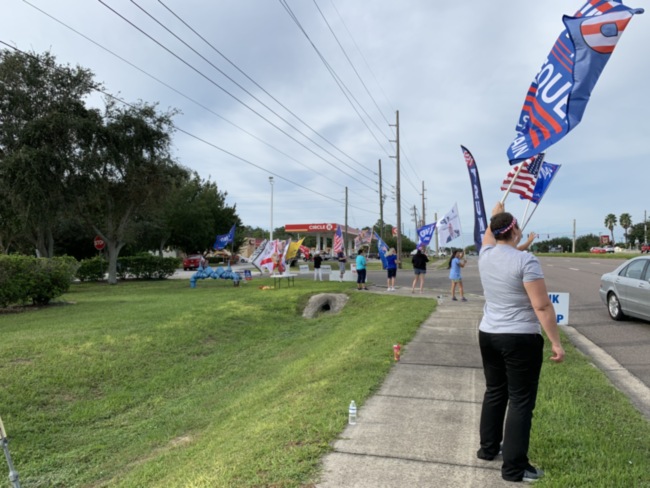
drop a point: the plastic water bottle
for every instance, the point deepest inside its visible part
(352, 413)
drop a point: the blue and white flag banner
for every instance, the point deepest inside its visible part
(382, 248)
(223, 240)
(480, 218)
(425, 233)
(558, 96)
(544, 178)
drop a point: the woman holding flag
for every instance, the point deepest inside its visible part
(512, 346)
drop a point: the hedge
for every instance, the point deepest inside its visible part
(39, 280)
(143, 266)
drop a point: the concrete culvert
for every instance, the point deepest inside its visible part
(324, 303)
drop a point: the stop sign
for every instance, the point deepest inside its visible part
(99, 243)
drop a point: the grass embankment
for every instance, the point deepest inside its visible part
(155, 384)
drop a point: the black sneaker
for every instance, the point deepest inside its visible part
(532, 474)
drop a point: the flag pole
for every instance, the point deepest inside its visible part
(523, 219)
(531, 216)
(512, 182)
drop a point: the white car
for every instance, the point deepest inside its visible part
(626, 290)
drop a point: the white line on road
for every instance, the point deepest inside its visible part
(574, 269)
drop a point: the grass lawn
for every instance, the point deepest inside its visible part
(158, 385)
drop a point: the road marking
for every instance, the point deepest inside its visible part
(574, 269)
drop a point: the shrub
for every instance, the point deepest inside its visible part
(92, 269)
(25, 278)
(146, 266)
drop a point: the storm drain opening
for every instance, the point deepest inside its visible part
(324, 303)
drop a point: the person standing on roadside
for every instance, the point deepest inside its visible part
(511, 343)
(391, 268)
(340, 257)
(419, 261)
(361, 271)
(317, 262)
(456, 262)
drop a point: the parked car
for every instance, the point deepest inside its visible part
(645, 248)
(597, 250)
(626, 290)
(609, 249)
(555, 249)
(192, 261)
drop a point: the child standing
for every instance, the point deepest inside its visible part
(391, 269)
(456, 262)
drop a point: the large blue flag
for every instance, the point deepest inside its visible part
(425, 233)
(480, 219)
(382, 248)
(558, 96)
(224, 239)
(544, 177)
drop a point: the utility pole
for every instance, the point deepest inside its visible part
(573, 250)
(645, 226)
(423, 214)
(435, 233)
(397, 188)
(381, 205)
(345, 233)
(415, 218)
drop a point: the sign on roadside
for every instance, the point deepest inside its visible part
(560, 302)
(99, 243)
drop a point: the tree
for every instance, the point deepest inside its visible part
(610, 223)
(197, 213)
(42, 118)
(625, 220)
(125, 173)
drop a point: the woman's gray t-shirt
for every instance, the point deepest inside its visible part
(504, 270)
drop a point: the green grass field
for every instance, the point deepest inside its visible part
(153, 384)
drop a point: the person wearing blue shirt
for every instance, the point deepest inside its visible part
(361, 271)
(456, 262)
(391, 268)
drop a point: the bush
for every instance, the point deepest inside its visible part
(25, 278)
(92, 269)
(147, 266)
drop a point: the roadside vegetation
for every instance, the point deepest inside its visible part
(155, 384)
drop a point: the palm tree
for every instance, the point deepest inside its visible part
(625, 220)
(610, 222)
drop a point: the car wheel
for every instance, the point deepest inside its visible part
(614, 307)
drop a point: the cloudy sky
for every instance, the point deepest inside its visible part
(307, 91)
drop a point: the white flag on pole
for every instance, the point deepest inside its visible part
(449, 227)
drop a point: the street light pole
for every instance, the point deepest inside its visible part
(271, 182)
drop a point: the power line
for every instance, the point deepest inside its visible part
(234, 65)
(344, 89)
(230, 94)
(183, 94)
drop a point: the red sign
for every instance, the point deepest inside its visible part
(395, 231)
(99, 243)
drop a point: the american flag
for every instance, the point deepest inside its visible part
(338, 240)
(524, 184)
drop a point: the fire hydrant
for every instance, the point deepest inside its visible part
(396, 351)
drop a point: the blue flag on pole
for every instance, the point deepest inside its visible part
(223, 240)
(480, 219)
(425, 233)
(382, 248)
(558, 96)
(544, 177)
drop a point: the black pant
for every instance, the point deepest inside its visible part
(511, 364)
(361, 276)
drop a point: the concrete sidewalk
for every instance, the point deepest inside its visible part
(421, 428)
